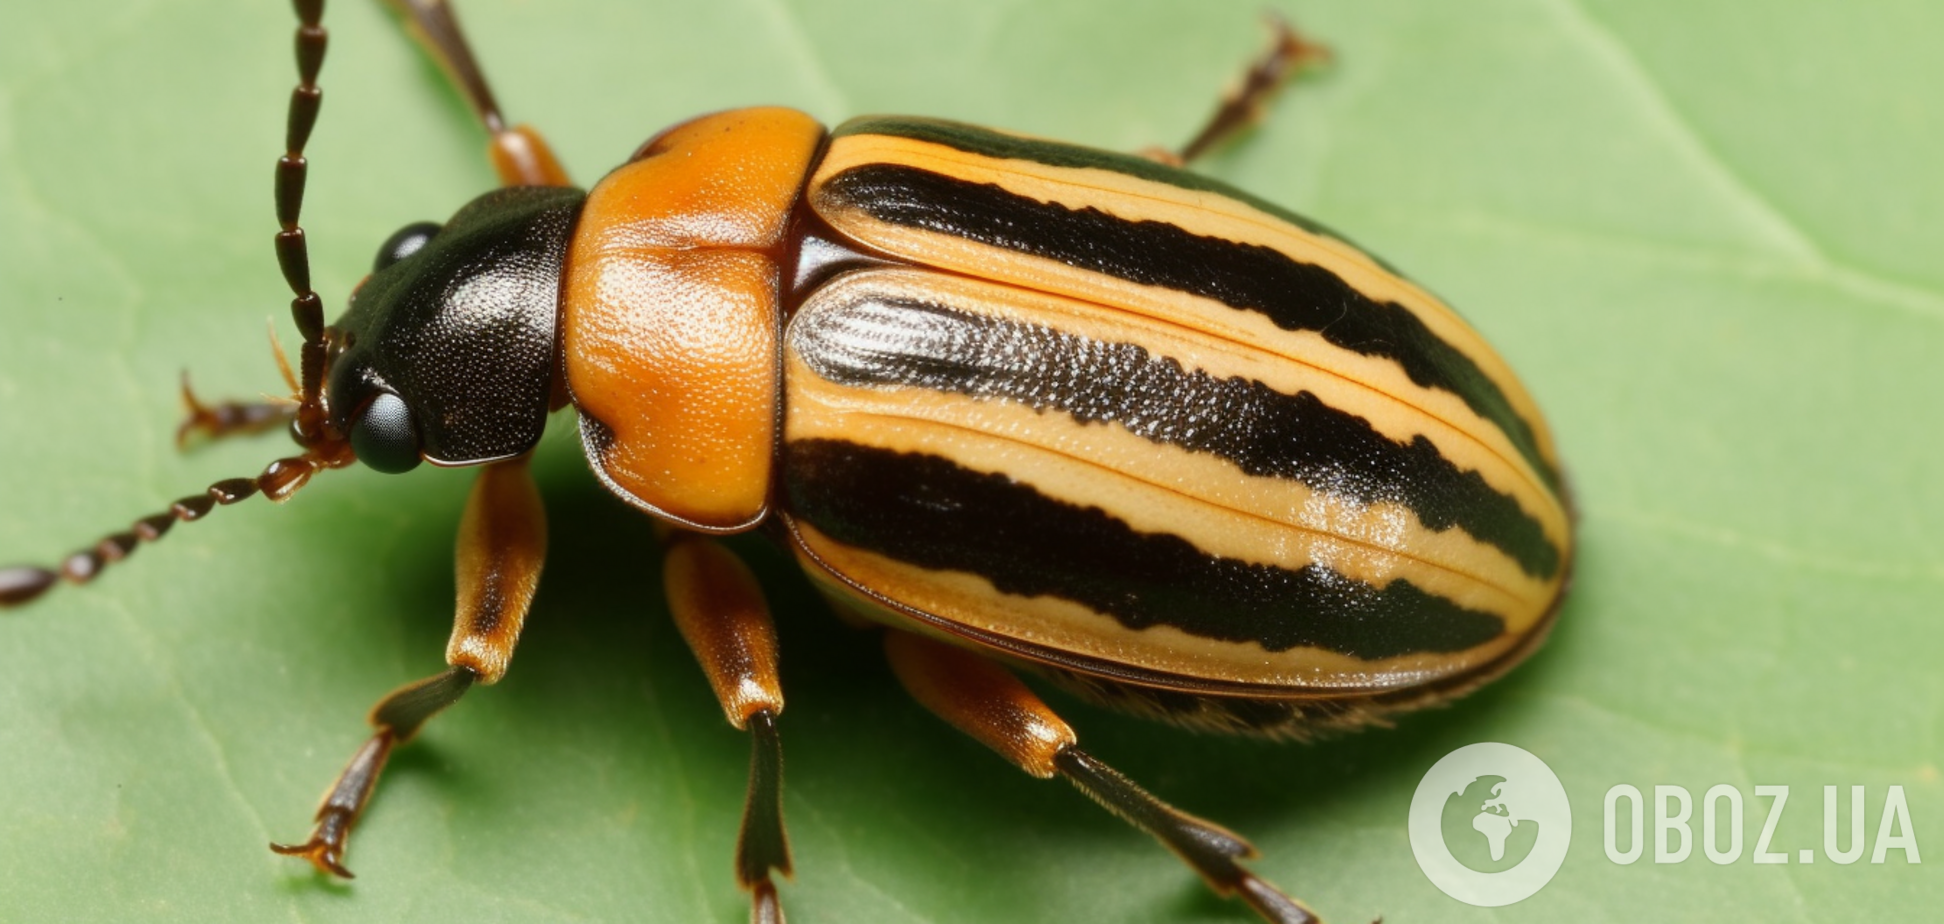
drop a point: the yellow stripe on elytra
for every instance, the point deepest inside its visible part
(1073, 630)
(1199, 212)
(1288, 363)
(1165, 490)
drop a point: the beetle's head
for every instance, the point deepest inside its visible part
(447, 353)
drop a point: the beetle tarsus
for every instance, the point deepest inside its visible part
(1208, 848)
(1272, 903)
(762, 845)
(987, 702)
(763, 905)
(518, 152)
(342, 806)
(326, 847)
(209, 422)
(720, 611)
(1242, 107)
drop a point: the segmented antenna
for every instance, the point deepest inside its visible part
(323, 446)
(293, 256)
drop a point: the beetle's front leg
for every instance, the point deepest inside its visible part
(720, 610)
(225, 419)
(519, 153)
(984, 700)
(502, 544)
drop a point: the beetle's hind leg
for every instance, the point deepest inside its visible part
(720, 610)
(502, 543)
(984, 700)
(520, 155)
(1242, 106)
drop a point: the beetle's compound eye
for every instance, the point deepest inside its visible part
(385, 437)
(404, 242)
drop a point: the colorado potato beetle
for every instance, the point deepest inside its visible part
(1021, 404)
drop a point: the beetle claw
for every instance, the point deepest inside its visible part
(322, 850)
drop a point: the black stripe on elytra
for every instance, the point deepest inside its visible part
(894, 342)
(927, 511)
(1247, 277)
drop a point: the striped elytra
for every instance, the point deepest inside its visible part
(1028, 404)
(1137, 427)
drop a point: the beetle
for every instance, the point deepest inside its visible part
(1025, 404)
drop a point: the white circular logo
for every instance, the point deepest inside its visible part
(1490, 824)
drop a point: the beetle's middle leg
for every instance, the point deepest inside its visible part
(502, 544)
(1242, 106)
(720, 610)
(984, 700)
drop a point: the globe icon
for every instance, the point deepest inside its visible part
(1484, 828)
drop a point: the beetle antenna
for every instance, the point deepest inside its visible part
(293, 256)
(323, 446)
(22, 583)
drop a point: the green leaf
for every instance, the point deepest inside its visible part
(1708, 239)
